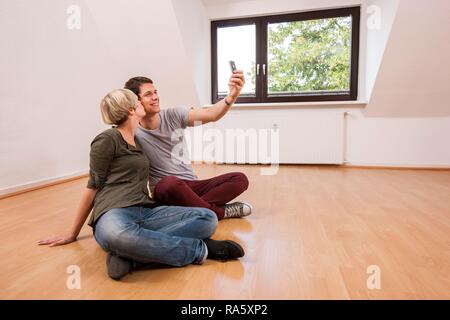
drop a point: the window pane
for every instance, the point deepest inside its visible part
(238, 44)
(309, 57)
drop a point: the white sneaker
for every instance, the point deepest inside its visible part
(237, 210)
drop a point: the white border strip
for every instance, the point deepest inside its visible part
(38, 183)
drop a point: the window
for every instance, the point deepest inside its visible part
(308, 56)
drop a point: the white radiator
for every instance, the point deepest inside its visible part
(270, 136)
(312, 137)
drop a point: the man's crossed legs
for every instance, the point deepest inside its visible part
(213, 194)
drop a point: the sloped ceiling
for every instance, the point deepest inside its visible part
(414, 75)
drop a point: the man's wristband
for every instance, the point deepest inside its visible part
(227, 103)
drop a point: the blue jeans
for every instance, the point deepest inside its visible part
(166, 234)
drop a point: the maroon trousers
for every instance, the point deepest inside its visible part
(211, 193)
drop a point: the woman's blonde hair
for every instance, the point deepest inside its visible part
(116, 104)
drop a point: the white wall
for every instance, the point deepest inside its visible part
(415, 142)
(404, 76)
(52, 78)
(414, 76)
(407, 119)
(51, 81)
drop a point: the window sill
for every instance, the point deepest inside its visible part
(281, 105)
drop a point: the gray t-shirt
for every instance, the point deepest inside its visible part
(166, 147)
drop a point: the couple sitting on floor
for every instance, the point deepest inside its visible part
(147, 205)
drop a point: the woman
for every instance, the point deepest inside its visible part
(127, 222)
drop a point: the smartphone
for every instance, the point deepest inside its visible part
(233, 66)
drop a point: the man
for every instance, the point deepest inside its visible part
(173, 182)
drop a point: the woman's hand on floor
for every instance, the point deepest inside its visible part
(58, 240)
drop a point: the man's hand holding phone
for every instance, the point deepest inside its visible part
(235, 84)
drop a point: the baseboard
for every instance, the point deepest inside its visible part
(39, 184)
(395, 166)
(345, 165)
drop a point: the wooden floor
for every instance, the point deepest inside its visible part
(313, 234)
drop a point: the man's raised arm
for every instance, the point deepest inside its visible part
(218, 110)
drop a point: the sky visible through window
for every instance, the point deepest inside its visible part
(238, 44)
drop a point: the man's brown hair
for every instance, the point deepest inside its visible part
(135, 83)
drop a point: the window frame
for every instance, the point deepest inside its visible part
(261, 25)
